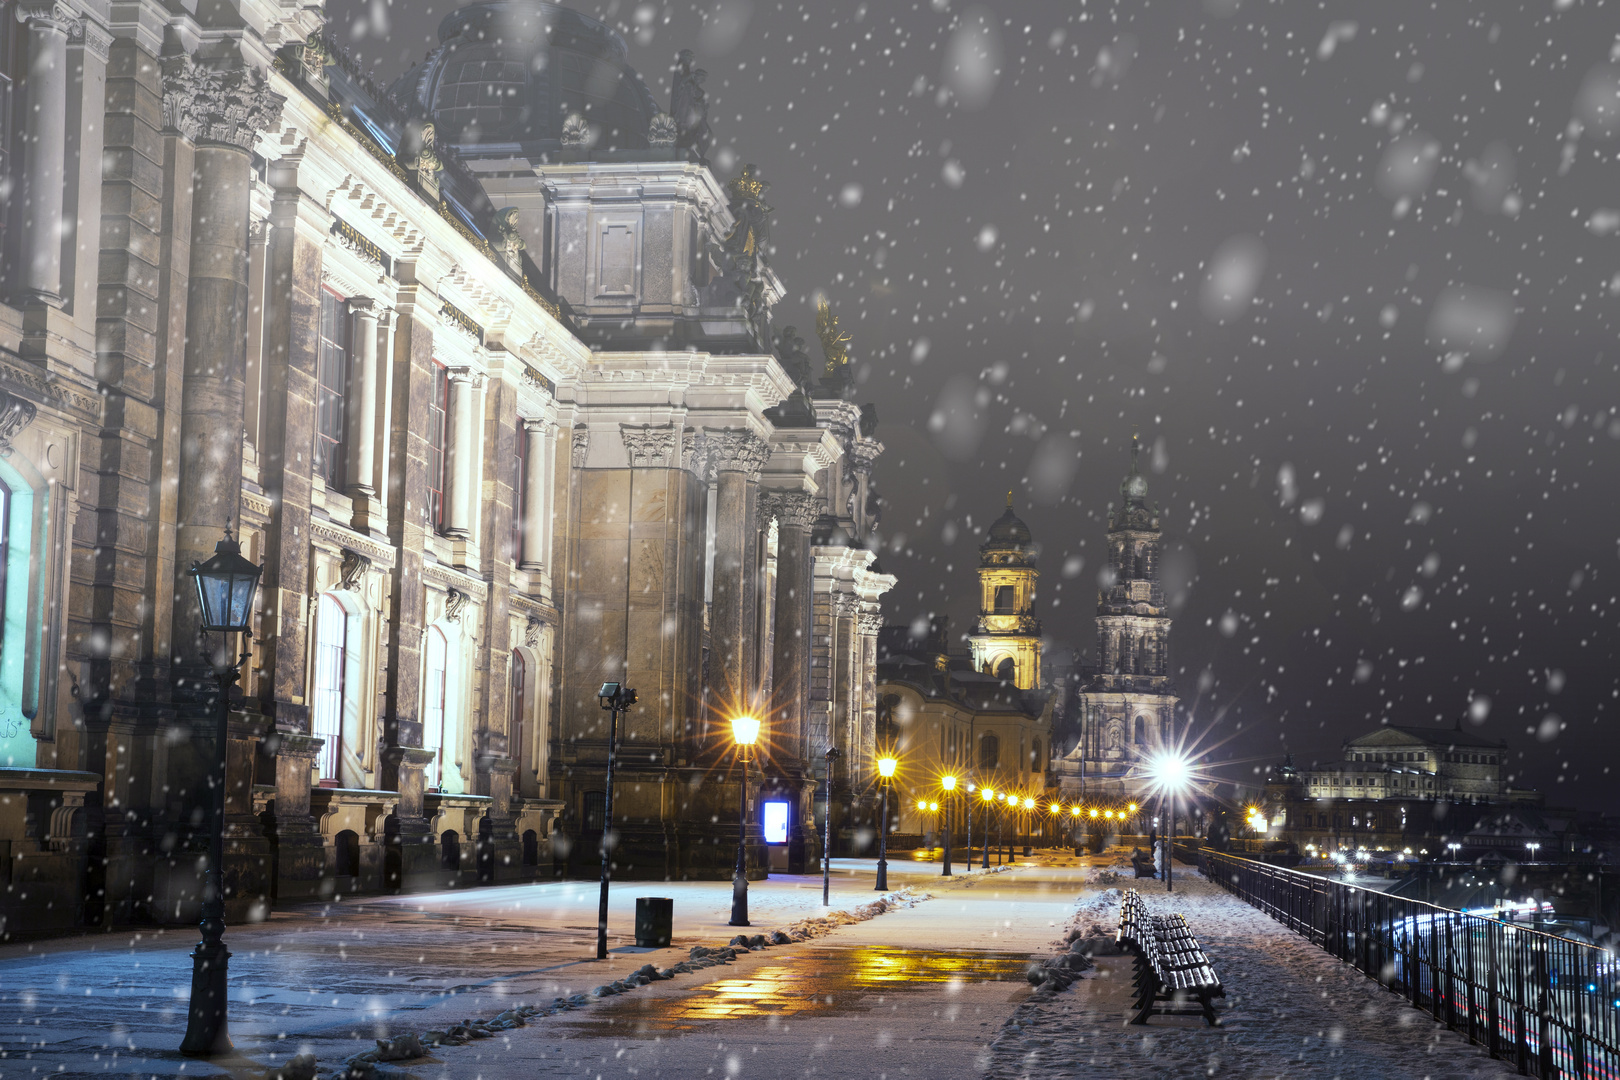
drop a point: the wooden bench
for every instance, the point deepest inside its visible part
(1173, 973)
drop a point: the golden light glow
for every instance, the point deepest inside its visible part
(948, 782)
(922, 804)
(745, 730)
(1076, 811)
(933, 808)
(1132, 808)
(988, 794)
(1109, 814)
(1094, 811)
(1029, 804)
(886, 767)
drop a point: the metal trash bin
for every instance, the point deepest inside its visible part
(655, 918)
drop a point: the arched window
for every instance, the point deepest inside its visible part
(1007, 670)
(331, 660)
(989, 752)
(1035, 763)
(517, 746)
(433, 706)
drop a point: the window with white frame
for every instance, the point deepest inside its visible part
(433, 706)
(331, 663)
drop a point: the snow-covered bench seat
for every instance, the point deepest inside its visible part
(1172, 970)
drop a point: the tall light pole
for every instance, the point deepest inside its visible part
(225, 585)
(967, 801)
(826, 831)
(947, 782)
(1029, 823)
(1534, 847)
(744, 732)
(615, 698)
(1171, 771)
(885, 775)
(988, 795)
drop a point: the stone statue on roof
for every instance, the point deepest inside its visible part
(689, 105)
(835, 347)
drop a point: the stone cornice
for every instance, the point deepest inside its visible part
(49, 389)
(439, 574)
(382, 556)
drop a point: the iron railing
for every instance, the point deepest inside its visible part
(1548, 1004)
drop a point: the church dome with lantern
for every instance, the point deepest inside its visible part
(508, 74)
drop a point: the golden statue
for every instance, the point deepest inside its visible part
(834, 342)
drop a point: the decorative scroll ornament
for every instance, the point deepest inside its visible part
(648, 446)
(454, 602)
(352, 571)
(662, 131)
(229, 105)
(695, 453)
(15, 414)
(582, 446)
(531, 631)
(871, 622)
(576, 132)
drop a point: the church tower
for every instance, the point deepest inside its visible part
(1128, 708)
(1006, 638)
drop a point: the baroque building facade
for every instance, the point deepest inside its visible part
(495, 399)
(1124, 711)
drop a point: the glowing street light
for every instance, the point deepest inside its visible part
(1172, 772)
(1453, 847)
(886, 766)
(948, 782)
(1534, 847)
(745, 733)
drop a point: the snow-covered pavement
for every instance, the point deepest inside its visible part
(1290, 1011)
(934, 990)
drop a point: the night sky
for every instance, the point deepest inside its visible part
(1351, 269)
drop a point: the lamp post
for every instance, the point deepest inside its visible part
(1453, 847)
(885, 775)
(744, 732)
(988, 795)
(967, 802)
(1534, 847)
(1056, 810)
(615, 698)
(225, 586)
(1171, 771)
(948, 782)
(826, 831)
(1074, 812)
(1029, 823)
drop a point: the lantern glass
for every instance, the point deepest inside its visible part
(745, 730)
(226, 583)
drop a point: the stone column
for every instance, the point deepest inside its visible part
(363, 412)
(737, 458)
(222, 112)
(795, 512)
(536, 486)
(50, 23)
(462, 472)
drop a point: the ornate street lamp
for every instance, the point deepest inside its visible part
(225, 586)
(967, 801)
(886, 767)
(947, 782)
(615, 698)
(1029, 816)
(989, 797)
(831, 755)
(744, 732)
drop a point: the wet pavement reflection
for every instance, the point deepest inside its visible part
(820, 982)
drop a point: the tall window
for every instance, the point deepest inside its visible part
(1006, 602)
(433, 706)
(989, 752)
(520, 502)
(1036, 765)
(332, 382)
(331, 660)
(437, 432)
(515, 749)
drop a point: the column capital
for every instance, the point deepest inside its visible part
(736, 450)
(648, 446)
(467, 376)
(227, 105)
(538, 424)
(695, 453)
(96, 41)
(364, 305)
(50, 15)
(792, 509)
(844, 605)
(871, 622)
(581, 446)
(863, 453)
